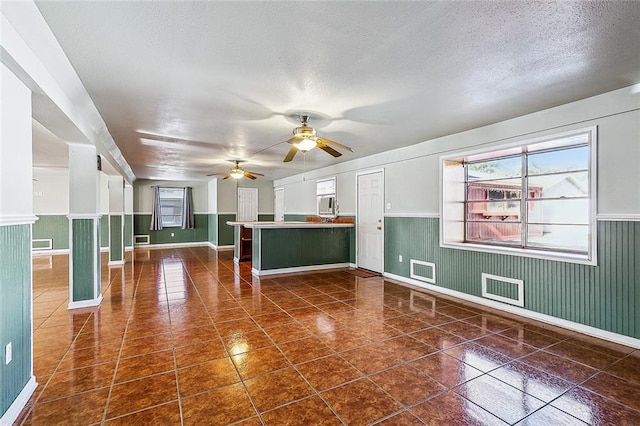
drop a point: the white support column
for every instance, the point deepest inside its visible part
(116, 220)
(17, 382)
(84, 227)
(128, 217)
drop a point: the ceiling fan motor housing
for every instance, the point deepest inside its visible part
(305, 132)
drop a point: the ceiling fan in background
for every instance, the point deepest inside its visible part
(305, 139)
(238, 172)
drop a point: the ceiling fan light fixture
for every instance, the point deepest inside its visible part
(306, 145)
(236, 174)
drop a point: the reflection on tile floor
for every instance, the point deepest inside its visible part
(184, 336)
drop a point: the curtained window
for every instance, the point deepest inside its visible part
(172, 208)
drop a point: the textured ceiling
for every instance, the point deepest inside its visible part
(184, 86)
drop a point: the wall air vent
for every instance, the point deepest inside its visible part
(503, 289)
(423, 271)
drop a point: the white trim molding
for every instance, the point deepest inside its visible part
(425, 215)
(263, 273)
(220, 248)
(85, 215)
(172, 245)
(86, 303)
(115, 263)
(570, 325)
(36, 253)
(618, 217)
(18, 219)
(19, 403)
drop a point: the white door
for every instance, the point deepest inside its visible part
(247, 205)
(369, 222)
(279, 205)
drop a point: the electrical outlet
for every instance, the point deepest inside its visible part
(172, 235)
(388, 206)
(399, 258)
(8, 353)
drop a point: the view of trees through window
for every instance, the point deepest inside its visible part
(536, 198)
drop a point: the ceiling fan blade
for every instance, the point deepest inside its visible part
(334, 143)
(292, 153)
(249, 175)
(294, 139)
(254, 173)
(227, 176)
(329, 150)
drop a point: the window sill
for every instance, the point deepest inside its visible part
(537, 254)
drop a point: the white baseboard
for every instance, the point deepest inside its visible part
(19, 403)
(574, 326)
(85, 303)
(219, 248)
(116, 263)
(37, 253)
(171, 245)
(299, 269)
(104, 249)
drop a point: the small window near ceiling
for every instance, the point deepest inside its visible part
(534, 199)
(171, 200)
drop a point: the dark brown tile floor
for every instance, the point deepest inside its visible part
(184, 336)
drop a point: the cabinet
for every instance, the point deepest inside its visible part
(245, 243)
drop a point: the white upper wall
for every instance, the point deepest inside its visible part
(412, 178)
(143, 194)
(226, 190)
(51, 191)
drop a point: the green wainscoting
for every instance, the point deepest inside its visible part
(15, 311)
(84, 259)
(104, 231)
(198, 234)
(266, 217)
(225, 232)
(606, 296)
(128, 230)
(294, 247)
(116, 247)
(54, 227)
(296, 217)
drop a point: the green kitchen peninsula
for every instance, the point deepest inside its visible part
(282, 247)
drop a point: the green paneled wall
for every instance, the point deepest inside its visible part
(84, 262)
(199, 234)
(55, 227)
(115, 241)
(15, 311)
(296, 217)
(266, 217)
(606, 296)
(292, 247)
(104, 231)
(128, 230)
(225, 232)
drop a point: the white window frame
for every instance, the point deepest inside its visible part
(172, 225)
(452, 221)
